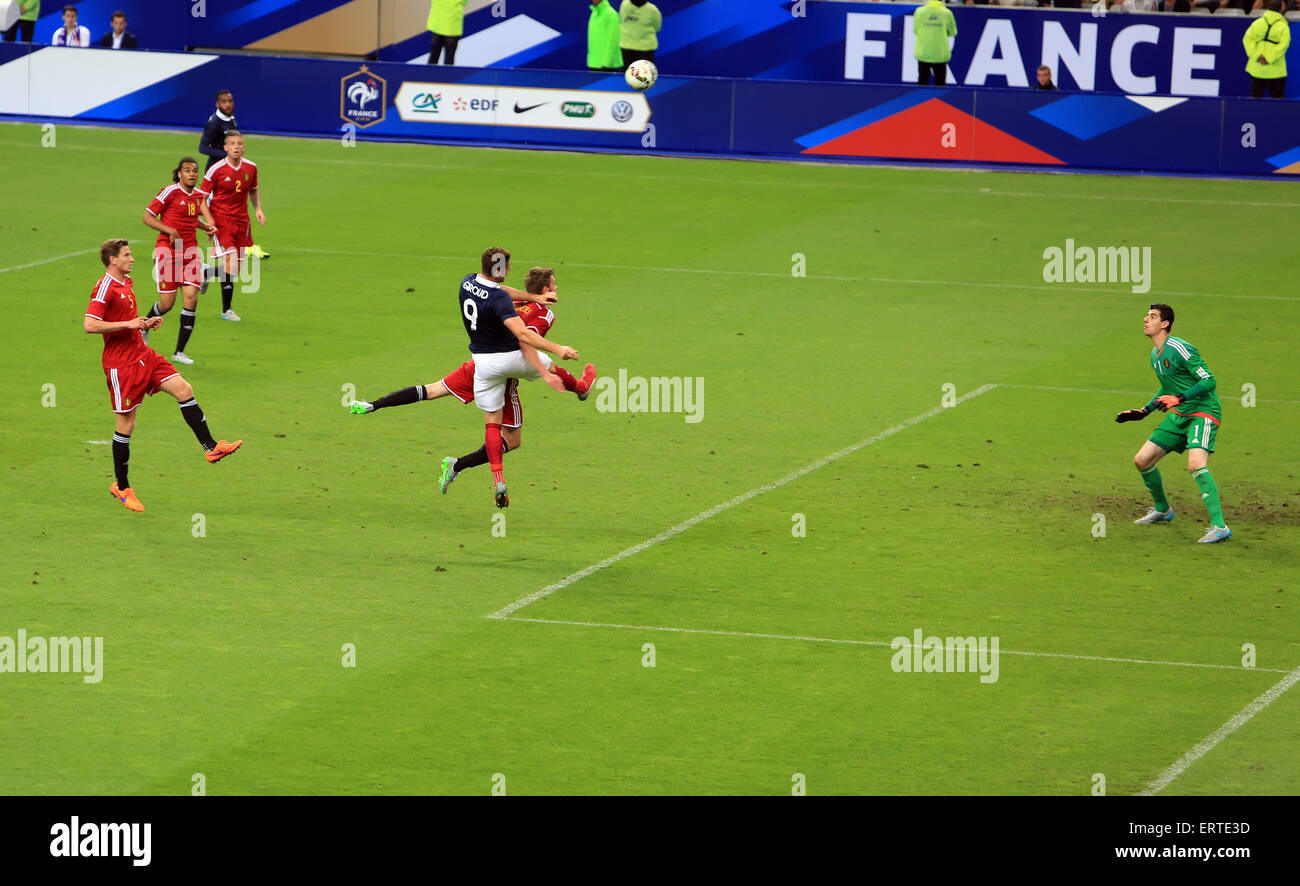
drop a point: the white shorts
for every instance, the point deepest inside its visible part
(492, 371)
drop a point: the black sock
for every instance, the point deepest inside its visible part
(478, 457)
(198, 424)
(187, 326)
(401, 398)
(227, 292)
(155, 311)
(121, 458)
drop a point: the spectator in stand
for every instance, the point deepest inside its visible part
(933, 24)
(1133, 6)
(1177, 6)
(639, 24)
(71, 34)
(119, 37)
(1044, 78)
(447, 24)
(603, 52)
(24, 29)
(1266, 42)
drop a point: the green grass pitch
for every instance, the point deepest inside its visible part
(223, 654)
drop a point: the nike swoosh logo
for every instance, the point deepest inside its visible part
(519, 110)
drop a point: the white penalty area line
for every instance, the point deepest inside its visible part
(803, 639)
(728, 505)
(1241, 718)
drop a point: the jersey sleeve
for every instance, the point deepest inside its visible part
(206, 185)
(98, 306)
(502, 306)
(252, 186)
(1196, 367)
(156, 205)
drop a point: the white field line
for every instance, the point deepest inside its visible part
(1124, 393)
(46, 261)
(1082, 290)
(803, 639)
(676, 179)
(1212, 740)
(727, 505)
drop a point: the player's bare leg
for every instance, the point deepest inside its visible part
(214, 450)
(1198, 463)
(1145, 461)
(121, 488)
(401, 397)
(189, 312)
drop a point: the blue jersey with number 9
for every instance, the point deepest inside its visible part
(485, 307)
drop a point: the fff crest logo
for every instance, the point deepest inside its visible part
(363, 97)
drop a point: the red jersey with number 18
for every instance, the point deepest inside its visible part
(114, 301)
(177, 208)
(228, 186)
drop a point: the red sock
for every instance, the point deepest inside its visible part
(570, 383)
(492, 440)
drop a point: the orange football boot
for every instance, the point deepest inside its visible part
(127, 497)
(223, 449)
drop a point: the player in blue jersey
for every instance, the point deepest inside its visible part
(503, 348)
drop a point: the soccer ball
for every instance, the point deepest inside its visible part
(641, 74)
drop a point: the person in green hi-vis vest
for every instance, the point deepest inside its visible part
(447, 23)
(639, 22)
(603, 53)
(29, 12)
(1266, 42)
(933, 24)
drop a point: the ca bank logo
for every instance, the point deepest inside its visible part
(363, 97)
(621, 111)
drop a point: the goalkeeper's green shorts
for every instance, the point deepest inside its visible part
(1179, 432)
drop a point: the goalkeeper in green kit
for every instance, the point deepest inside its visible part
(1187, 393)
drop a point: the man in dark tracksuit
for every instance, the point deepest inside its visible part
(213, 142)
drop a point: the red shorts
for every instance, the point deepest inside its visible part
(233, 235)
(172, 271)
(460, 383)
(128, 385)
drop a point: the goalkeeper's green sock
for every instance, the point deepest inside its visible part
(1151, 477)
(1209, 494)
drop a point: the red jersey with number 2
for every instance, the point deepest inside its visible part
(229, 186)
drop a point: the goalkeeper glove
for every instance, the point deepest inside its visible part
(1167, 401)
(1131, 415)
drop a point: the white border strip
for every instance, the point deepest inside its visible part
(727, 505)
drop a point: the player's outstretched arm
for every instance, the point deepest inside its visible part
(531, 355)
(526, 336)
(96, 326)
(257, 206)
(519, 297)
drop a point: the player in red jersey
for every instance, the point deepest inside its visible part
(133, 370)
(229, 184)
(178, 262)
(540, 290)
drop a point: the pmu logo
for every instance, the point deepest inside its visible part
(363, 98)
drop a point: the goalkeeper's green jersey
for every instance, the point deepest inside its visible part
(1179, 368)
